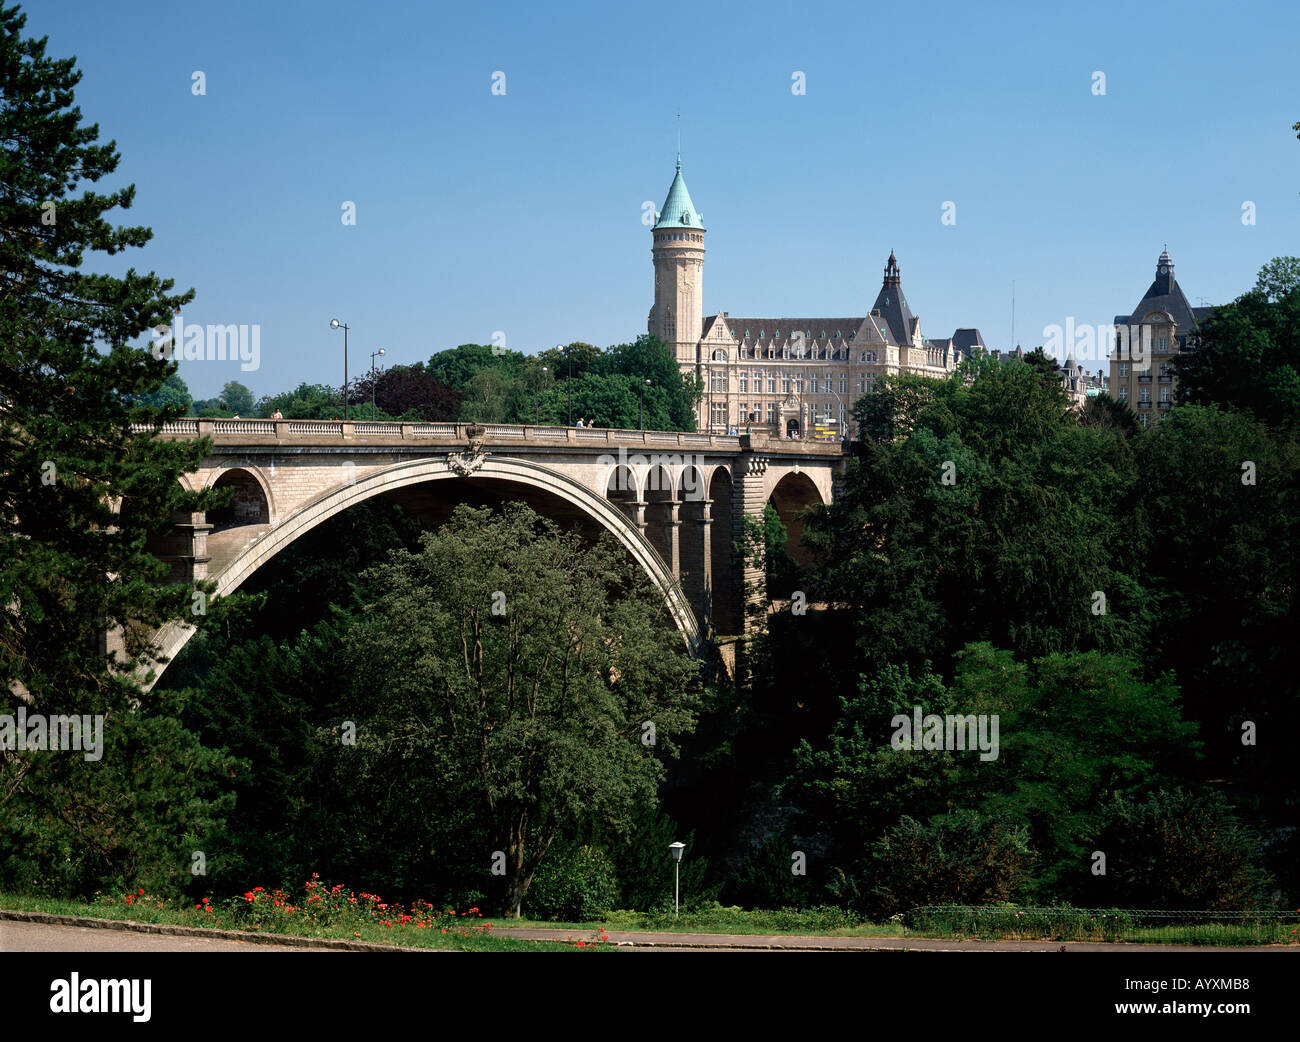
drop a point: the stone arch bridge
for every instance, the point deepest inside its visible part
(675, 501)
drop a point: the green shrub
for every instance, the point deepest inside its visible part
(959, 858)
(1178, 850)
(574, 884)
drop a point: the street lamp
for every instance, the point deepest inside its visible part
(677, 849)
(641, 415)
(336, 324)
(568, 357)
(537, 416)
(381, 352)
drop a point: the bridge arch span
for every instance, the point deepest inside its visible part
(174, 636)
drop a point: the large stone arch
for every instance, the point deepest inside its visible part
(791, 495)
(171, 638)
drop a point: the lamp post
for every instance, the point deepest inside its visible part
(381, 352)
(568, 357)
(841, 401)
(537, 416)
(677, 849)
(641, 414)
(336, 324)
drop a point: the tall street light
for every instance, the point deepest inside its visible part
(381, 352)
(568, 357)
(642, 411)
(336, 324)
(537, 416)
(677, 849)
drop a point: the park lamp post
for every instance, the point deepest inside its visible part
(537, 416)
(641, 413)
(677, 849)
(381, 352)
(336, 324)
(568, 383)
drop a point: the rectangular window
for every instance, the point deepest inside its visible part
(771, 412)
(1144, 394)
(744, 411)
(1123, 371)
(1163, 344)
(798, 383)
(1164, 394)
(718, 382)
(744, 382)
(718, 415)
(1123, 394)
(771, 383)
(844, 384)
(785, 383)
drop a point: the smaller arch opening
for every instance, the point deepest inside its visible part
(248, 505)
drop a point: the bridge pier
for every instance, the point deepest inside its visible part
(185, 547)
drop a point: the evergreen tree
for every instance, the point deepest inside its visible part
(83, 484)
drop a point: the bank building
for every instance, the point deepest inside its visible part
(796, 376)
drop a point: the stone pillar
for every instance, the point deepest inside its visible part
(634, 511)
(673, 522)
(696, 548)
(185, 547)
(748, 499)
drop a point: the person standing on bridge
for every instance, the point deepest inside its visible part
(277, 415)
(580, 423)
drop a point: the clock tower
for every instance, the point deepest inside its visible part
(677, 317)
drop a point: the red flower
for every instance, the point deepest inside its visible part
(140, 891)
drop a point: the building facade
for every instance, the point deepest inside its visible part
(792, 374)
(1162, 324)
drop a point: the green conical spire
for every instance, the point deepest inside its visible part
(679, 211)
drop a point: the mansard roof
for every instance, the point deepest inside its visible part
(778, 332)
(966, 340)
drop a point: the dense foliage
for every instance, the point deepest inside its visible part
(81, 491)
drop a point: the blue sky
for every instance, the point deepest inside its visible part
(521, 213)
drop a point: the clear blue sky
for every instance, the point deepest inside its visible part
(522, 213)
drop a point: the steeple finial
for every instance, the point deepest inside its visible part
(891, 270)
(679, 141)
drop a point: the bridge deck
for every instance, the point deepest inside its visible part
(321, 433)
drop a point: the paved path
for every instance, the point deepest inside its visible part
(16, 936)
(664, 941)
(42, 937)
